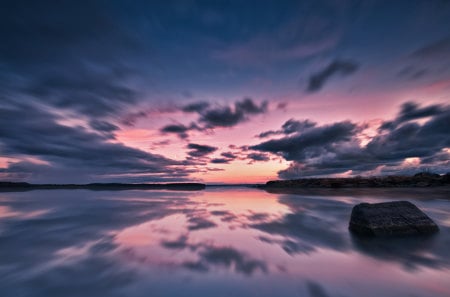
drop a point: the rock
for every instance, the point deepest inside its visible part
(390, 218)
(427, 175)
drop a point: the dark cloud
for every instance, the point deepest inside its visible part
(86, 91)
(337, 67)
(227, 117)
(227, 158)
(180, 129)
(197, 107)
(248, 106)
(220, 161)
(228, 155)
(73, 65)
(412, 139)
(73, 149)
(131, 118)
(199, 150)
(258, 157)
(268, 133)
(103, 126)
(175, 128)
(412, 111)
(289, 127)
(222, 117)
(310, 143)
(66, 84)
(335, 148)
(293, 126)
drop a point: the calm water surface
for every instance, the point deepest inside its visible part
(218, 242)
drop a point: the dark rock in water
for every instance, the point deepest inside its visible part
(390, 218)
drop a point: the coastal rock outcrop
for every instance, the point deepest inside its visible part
(390, 218)
(419, 180)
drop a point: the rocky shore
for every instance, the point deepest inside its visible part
(423, 179)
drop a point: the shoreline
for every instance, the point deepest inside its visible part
(20, 186)
(420, 180)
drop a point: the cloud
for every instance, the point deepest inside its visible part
(228, 155)
(412, 111)
(175, 128)
(180, 129)
(228, 117)
(220, 161)
(227, 158)
(417, 132)
(74, 66)
(103, 126)
(197, 107)
(258, 157)
(338, 67)
(84, 90)
(219, 116)
(222, 117)
(249, 107)
(310, 143)
(68, 149)
(289, 127)
(198, 150)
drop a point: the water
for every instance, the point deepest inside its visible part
(218, 242)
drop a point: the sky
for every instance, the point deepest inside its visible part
(222, 91)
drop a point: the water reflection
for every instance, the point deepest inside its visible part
(221, 242)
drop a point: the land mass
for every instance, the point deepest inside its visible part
(22, 186)
(423, 179)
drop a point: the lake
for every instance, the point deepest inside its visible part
(224, 241)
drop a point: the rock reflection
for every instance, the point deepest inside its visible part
(411, 252)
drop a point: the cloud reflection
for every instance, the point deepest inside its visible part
(129, 243)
